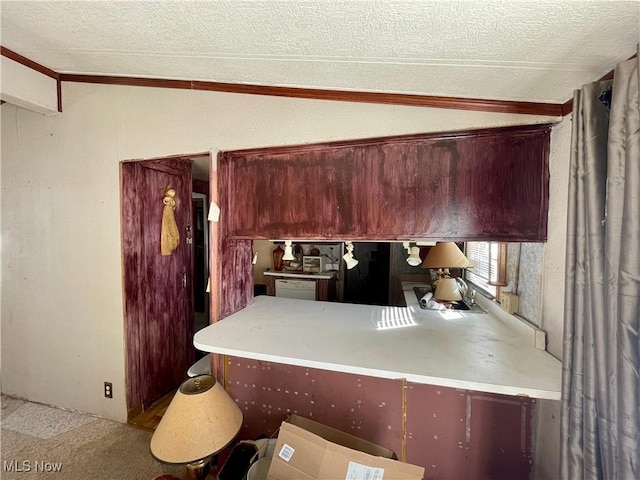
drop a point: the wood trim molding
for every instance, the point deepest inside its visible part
(567, 107)
(16, 57)
(129, 81)
(455, 103)
(458, 103)
(59, 89)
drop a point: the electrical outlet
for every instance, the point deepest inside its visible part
(509, 302)
(108, 390)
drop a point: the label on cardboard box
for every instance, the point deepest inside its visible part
(286, 452)
(357, 471)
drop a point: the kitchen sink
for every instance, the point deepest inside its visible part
(458, 305)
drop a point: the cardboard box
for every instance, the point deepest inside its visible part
(310, 450)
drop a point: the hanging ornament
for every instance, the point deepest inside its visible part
(170, 237)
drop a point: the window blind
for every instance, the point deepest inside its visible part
(484, 257)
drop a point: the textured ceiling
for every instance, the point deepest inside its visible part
(536, 51)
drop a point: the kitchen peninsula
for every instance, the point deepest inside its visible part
(446, 348)
(454, 392)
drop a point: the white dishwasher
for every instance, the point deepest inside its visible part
(300, 289)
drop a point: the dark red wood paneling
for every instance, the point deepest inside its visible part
(200, 186)
(460, 434)
(132, 267)
(158, 289)
(383, 190)
(169, 282)
(232, 284)
(485, 184)
(269, 392)
(453, 433)
(236, 278)
(487, 187)
(285, 194)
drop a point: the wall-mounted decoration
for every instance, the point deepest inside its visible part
(170, 237)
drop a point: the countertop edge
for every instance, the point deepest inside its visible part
(228, 341)
(428, 380)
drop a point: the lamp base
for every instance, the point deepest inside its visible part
(198, 470)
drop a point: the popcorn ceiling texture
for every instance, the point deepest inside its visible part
(530, 51)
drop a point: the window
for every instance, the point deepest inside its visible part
(489, 260)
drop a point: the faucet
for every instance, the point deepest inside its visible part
(468, 293)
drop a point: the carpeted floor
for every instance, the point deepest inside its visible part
(43, 442)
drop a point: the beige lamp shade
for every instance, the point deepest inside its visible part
(445, 255)
(201, 420)
(447, 290)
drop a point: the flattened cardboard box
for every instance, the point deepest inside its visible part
(302, 453)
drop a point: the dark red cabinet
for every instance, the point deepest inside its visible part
(484, 187)
(474, 185)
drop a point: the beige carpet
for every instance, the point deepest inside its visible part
(39, 441)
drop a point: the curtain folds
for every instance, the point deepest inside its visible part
(601, 386)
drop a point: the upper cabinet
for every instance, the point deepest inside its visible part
(473, 185)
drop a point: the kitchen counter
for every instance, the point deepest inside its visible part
(300, 274)
(474, 351)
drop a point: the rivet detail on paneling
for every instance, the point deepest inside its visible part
(340, 400)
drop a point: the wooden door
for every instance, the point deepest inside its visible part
(158, 289)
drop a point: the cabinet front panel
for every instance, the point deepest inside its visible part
(485, 187)
(486, 184)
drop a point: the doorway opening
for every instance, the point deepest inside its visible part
(200, 263)
(368, 282)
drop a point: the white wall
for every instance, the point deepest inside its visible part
(27, 88)
(62, 319)
(547, 442)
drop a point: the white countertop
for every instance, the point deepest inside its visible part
(293, 274)
(448, 348)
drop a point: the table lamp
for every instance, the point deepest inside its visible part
(201, 420)
(441, 257)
